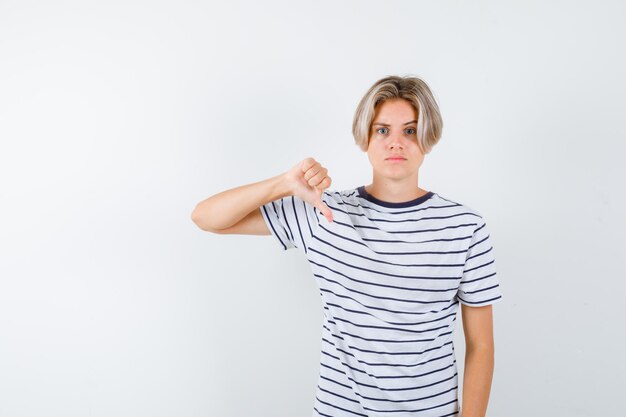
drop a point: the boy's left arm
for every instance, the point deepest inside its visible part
(479, 359)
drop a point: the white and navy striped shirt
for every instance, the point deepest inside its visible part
(391, 277)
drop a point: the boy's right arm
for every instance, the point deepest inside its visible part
(237, 211)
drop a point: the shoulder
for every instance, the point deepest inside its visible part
(459, 208)
(341, 196)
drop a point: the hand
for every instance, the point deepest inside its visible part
(308, 180)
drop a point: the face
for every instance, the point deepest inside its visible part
(394, 133)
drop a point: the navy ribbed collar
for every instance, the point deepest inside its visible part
(411, 203)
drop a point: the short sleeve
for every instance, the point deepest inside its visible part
(292, 221)
(479, 284)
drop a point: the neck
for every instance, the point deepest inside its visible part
(395, 191)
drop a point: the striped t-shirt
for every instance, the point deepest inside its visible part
(391, 277)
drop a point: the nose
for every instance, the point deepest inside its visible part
(395, 141)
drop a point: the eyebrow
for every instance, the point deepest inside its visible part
(385, 124)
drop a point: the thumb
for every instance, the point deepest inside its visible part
(321, 206)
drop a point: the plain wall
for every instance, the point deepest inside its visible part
(116, 118)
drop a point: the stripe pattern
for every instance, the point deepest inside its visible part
(391, 277)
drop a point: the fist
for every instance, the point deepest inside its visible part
(308, 179)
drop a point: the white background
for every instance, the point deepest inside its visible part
(116, 118)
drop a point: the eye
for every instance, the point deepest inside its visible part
(411, 129)
(378, 130)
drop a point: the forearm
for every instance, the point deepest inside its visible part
(225, 209)
(478, 374)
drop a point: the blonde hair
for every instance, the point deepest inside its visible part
(412, 89)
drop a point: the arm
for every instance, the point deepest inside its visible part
(240, 206)
(479, 359)
(238, 210)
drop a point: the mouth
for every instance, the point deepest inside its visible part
(396, 159)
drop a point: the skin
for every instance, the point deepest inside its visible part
(479, 359)
(393, 181)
